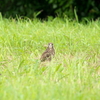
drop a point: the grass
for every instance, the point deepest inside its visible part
(73, 74)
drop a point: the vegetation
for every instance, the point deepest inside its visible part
(43, 8)
(73, 74)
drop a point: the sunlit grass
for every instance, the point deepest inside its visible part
(73, 74)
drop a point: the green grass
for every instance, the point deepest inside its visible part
(73, 74)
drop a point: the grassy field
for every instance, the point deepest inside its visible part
(74, 72)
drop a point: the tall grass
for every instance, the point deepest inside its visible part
(73, 74)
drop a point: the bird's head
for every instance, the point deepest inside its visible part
(50, 45)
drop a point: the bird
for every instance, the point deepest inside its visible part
(48, 53)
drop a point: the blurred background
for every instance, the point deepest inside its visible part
(89, 9)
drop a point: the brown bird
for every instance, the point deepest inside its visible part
(48, 54)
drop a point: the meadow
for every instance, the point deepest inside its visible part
(74, 72)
